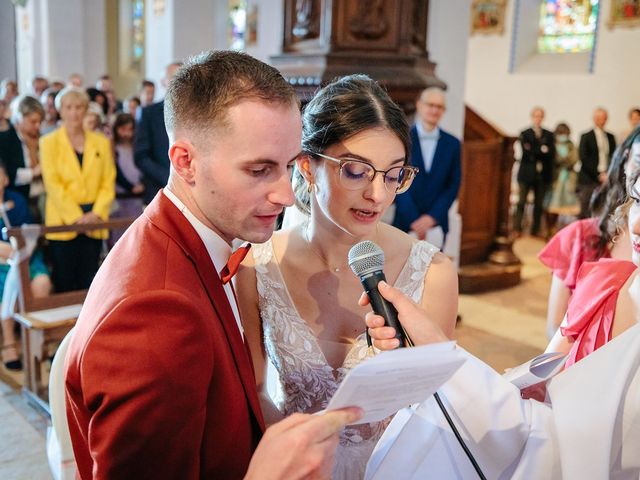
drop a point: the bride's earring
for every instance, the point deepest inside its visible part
(310, 187)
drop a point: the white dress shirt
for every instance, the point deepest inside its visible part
(428, 144)
(218, 249)
(603, 149)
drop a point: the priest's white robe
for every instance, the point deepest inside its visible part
(590, 429)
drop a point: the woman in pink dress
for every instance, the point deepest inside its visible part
(607, 292)
(588, 240)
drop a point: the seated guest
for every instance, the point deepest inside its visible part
(15, 212)
(590, 239)
(79, 179)
(20, 152)
(298, 288)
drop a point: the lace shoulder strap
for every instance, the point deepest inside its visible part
(411, 278)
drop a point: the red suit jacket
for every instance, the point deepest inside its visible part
(159, 383)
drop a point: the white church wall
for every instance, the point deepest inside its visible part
(448, 49)
(506, 98)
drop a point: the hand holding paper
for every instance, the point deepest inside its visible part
(396, 379)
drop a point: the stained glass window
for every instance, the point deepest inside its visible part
(237, 24)
(567, 26)
(137, 33)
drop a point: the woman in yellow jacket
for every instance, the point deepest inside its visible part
(79, 179)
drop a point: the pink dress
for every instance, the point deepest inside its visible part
(592, 307)
(572, 246)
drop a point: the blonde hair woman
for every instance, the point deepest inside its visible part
(79, 178)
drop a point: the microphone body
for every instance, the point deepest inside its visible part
(366, 259)
(380, 305)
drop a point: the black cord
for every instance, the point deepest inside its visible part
(449, 420)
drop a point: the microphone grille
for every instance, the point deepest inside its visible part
(366, 257)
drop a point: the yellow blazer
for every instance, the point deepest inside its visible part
(68, 185)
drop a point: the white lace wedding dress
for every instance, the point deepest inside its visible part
(308, 382)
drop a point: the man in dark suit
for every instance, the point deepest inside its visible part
(151, 143)
(436, 153)
(596, 148)
(159, 379)
(536, 169)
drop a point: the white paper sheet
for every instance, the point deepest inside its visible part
(396, 379)
(536, 370)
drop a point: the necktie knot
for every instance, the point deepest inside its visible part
(231, 268)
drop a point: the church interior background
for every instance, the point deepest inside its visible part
(498, 58)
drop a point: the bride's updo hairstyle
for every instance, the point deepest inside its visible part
(345, 107)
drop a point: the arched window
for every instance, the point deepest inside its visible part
(567, 26)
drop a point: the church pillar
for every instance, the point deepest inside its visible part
(55, 38)
(173, 32)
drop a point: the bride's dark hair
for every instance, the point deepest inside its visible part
(342, 109)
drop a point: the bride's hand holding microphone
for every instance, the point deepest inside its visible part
(415, 321)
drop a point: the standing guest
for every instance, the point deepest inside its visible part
(79, 179)
(75, 80)
(634, 121)
(152, 143)
(129, 187)
(8, 90)
(51, 117)
(38, 86)
(147, 92)
(105, 85)
(56, 85)
(4, 123)
(436, 154)
(159, 382)
(562, 196)
(536, 170)
(20, 151)
(94, 119)
(15, 212)
(132, 106)
(596, 148)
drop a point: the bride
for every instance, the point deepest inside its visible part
(298, 296)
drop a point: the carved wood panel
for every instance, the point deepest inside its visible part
(367, 24)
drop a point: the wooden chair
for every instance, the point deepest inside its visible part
(45, 321)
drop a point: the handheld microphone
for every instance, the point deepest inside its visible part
(366, 259)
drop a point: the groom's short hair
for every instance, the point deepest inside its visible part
(208, 84)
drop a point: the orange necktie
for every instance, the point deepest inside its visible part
(231, 268)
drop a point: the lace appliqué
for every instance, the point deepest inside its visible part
(307, 380)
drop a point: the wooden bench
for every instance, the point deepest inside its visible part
(45, 321)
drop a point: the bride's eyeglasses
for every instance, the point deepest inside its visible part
(357, 174)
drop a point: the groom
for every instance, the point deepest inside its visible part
(159, 379)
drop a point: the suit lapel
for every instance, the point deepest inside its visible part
(164, 214)
(69, 153)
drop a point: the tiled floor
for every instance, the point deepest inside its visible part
(504, 328)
